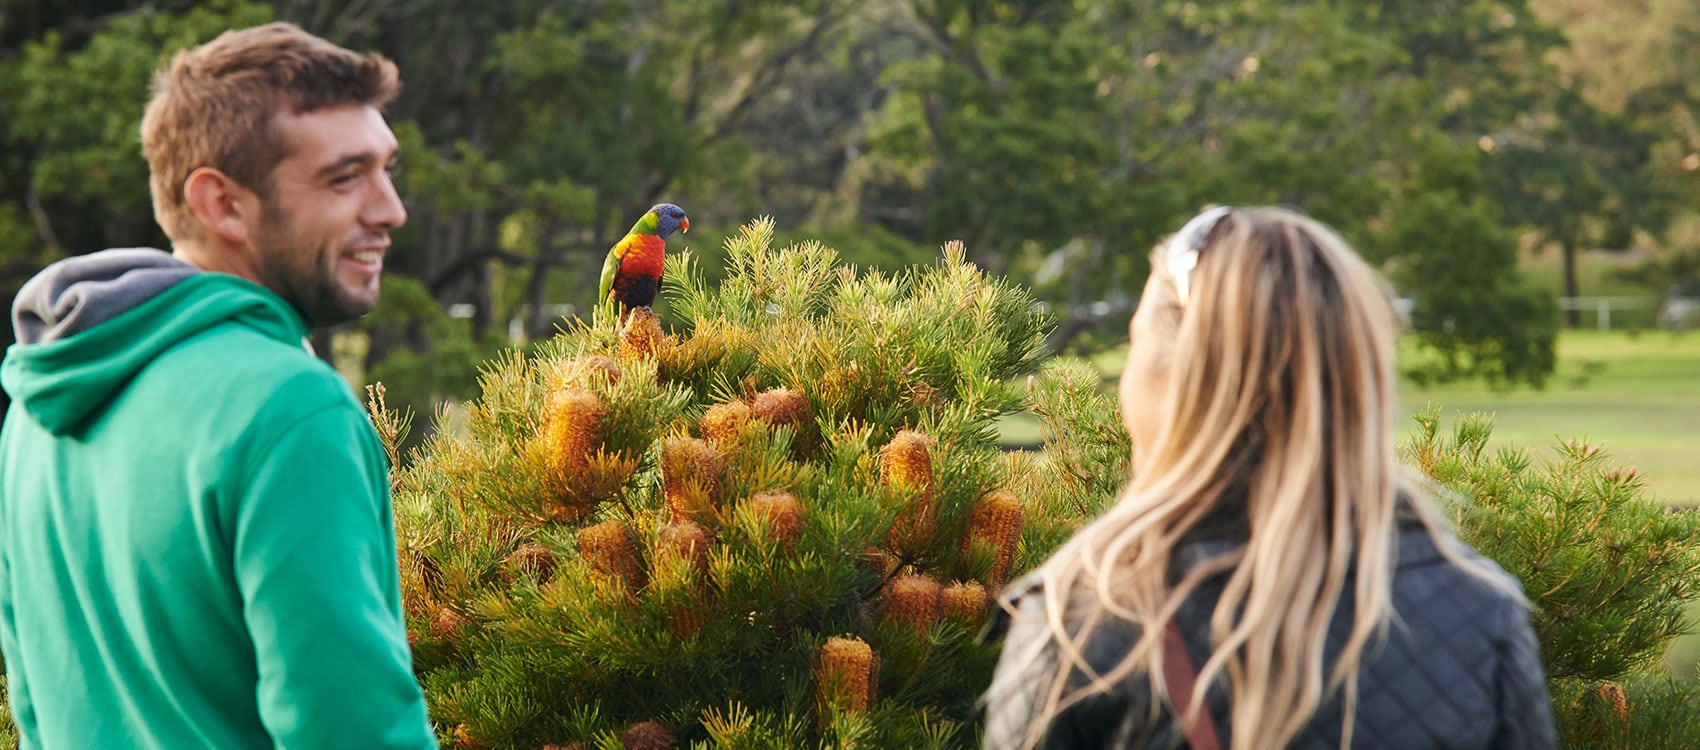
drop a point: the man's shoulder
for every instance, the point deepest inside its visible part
(234, 363)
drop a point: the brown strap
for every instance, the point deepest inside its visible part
(1181, 677)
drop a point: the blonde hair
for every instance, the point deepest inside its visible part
(1277, 412)
(213, 106)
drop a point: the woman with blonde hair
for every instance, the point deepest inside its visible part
(1271, 573)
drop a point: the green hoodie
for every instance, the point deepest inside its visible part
(196, 542)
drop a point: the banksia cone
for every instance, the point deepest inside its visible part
(996, 523)
(464, 739)
(913, 601)
(640, 335)
(531, 558)
(924, 395)
(964, 601)
(421, 581)
(1612, 694)
(583, 372)
(647, 735)
(448, 625)
(846, 674)
(687, 618)
(690, 475)
(783, 514)
(572, 429)
(907, 461)
(684, 540)
(722, 423)
(879, 561)
(780, 407)
(609, 549)
(906, 464)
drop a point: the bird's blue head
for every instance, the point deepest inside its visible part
(668, 218)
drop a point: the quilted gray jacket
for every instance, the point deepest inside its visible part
(1460, 669)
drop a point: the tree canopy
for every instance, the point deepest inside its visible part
(1060, 140)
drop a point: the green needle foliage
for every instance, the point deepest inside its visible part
(780, 524)
(1610, 576)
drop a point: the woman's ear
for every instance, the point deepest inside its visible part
(222, 204)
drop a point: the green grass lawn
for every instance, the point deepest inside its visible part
(1636, 395)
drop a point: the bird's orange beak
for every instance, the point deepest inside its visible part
(684, 225)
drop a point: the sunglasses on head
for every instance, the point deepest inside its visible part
(1180, 253)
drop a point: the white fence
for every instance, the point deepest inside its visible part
(1603, 306)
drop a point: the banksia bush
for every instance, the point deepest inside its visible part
(1609, 575)
(730, 526)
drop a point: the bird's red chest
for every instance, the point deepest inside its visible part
(644, 256)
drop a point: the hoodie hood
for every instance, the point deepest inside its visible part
(86, 325)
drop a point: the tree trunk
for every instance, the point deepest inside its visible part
(1572, 315)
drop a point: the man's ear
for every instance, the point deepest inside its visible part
(222, 204)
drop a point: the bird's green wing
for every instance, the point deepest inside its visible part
(610, 267)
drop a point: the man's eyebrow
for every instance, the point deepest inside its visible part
(345, 162)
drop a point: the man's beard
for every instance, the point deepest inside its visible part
(305, 276)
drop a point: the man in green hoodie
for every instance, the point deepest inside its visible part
(196, 541)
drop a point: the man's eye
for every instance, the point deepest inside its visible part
(343, 179)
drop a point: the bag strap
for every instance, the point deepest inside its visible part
(1181, 677)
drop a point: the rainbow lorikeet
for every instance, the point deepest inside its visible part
(632, 272)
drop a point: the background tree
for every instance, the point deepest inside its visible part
(1061, 139)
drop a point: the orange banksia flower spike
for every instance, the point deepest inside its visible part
(684, 540)
(879, 561)
(783, 514)
(781, 407)
(583, 372)
(1612, 694)
(906, 464)
(995, 522)
(912, 600)
(690, 478)
(846, 675)
(572, 429)
(722, 423)
(464, 739)
(531, 558)
(609, 549)
(964, 601)
(449, 625)
(640, 335)
(647, 735)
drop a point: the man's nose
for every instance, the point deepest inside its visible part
(386, 209)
